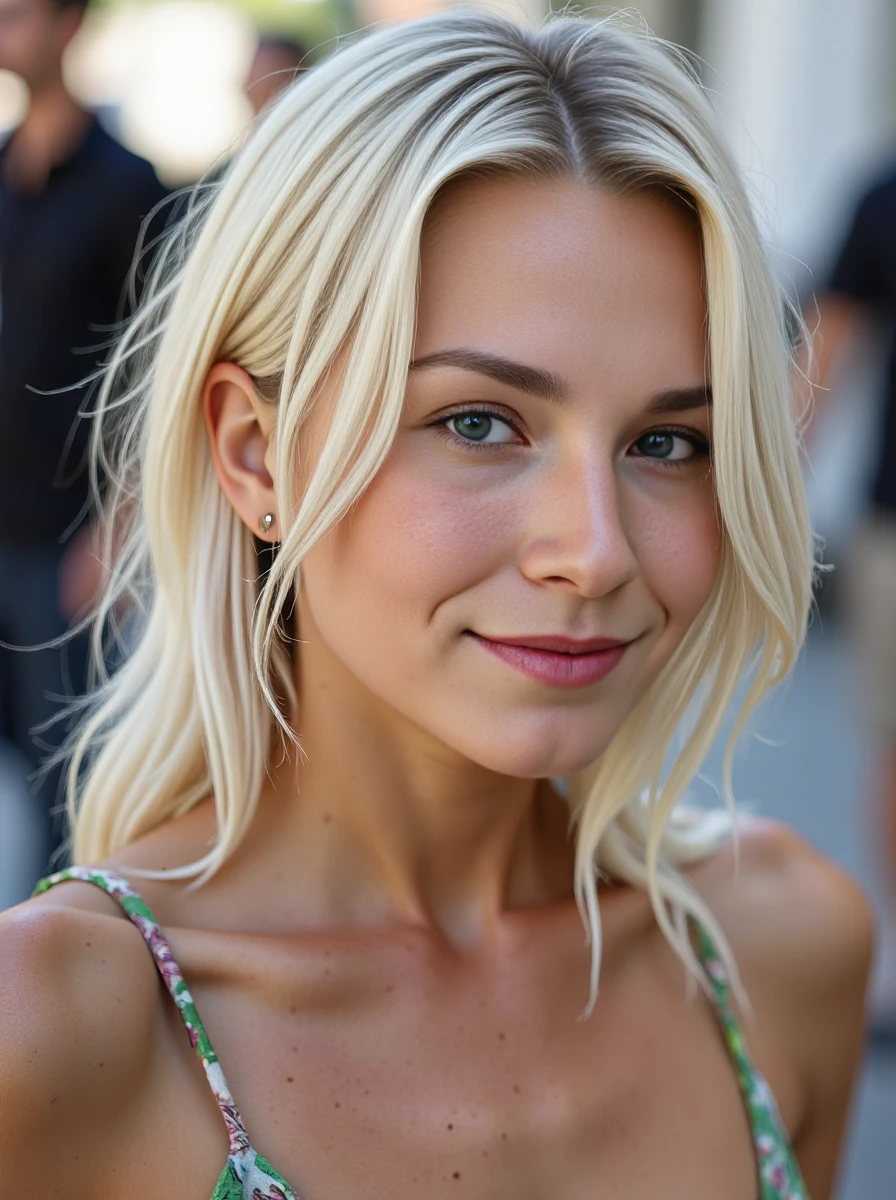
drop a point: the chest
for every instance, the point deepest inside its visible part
(450, 1083)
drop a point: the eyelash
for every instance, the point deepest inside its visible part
(441, 425)
(697, 440)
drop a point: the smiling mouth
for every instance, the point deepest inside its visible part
(557, 661)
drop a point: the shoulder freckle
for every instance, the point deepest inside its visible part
(78, 1004)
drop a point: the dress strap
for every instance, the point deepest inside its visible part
(780, 1177)
(137, 911)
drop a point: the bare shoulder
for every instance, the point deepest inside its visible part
(802, 933)
(77, 1013)
(788, 910)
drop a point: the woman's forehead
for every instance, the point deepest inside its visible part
(564, 276)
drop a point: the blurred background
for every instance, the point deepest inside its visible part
(807, 90)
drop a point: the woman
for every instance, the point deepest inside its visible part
(445, 341)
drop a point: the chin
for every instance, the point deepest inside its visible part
(528, 753)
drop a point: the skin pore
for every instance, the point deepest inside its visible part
(392, 966)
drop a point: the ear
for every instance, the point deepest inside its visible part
(240, 426)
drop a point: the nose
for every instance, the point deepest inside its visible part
(576, 535)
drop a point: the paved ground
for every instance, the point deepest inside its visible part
(806, 763)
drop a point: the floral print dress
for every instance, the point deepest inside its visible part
(248, 1176)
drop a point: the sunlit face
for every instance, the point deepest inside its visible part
(550, 478)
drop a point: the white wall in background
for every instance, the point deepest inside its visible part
(805, 90)
(173, 74)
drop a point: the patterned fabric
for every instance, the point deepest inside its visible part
(248, 1176)
(779, 1173)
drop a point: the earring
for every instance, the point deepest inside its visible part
(266, 522)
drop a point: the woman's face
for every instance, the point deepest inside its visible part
(550, 479)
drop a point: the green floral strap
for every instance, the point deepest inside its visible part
(246, 1176)
(780, 1177)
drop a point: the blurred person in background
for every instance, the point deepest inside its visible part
(276, 63)
(861, 291)
(71, 205)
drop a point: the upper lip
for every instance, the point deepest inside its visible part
(560, 644)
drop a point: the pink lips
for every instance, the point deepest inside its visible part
(558, 661)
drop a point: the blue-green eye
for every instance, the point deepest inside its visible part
(480, 427)
(667, 445)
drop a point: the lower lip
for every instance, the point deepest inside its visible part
(558, 670)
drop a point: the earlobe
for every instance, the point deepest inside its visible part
(240, 426)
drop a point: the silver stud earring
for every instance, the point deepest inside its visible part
(266, 522)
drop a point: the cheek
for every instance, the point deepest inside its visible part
(413, 541)
(679, 552)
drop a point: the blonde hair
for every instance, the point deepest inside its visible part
(308, 250)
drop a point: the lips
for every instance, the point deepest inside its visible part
(560, 644)
(557, 661)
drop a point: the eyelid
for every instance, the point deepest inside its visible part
(700, 443)
(486, 406)
(688, 432)
(493, 410)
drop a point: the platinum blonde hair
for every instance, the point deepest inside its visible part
(309, 249)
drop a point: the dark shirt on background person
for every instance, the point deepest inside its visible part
(66, 249)
(862, 285)
(65, 253)
(865, 272)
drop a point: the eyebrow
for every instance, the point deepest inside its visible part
(534, 380)
(547, 384)
(674, 400)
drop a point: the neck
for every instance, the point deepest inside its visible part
(51, 130)
(383, 823)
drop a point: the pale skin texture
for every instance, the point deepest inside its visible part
(392, 966)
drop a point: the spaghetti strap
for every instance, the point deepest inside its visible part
(780, 1177)
(247, 1175)
(136, 910)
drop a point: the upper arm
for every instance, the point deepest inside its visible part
(75, 1036)
(827, 1016)
(802, 933)
(835, 324)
